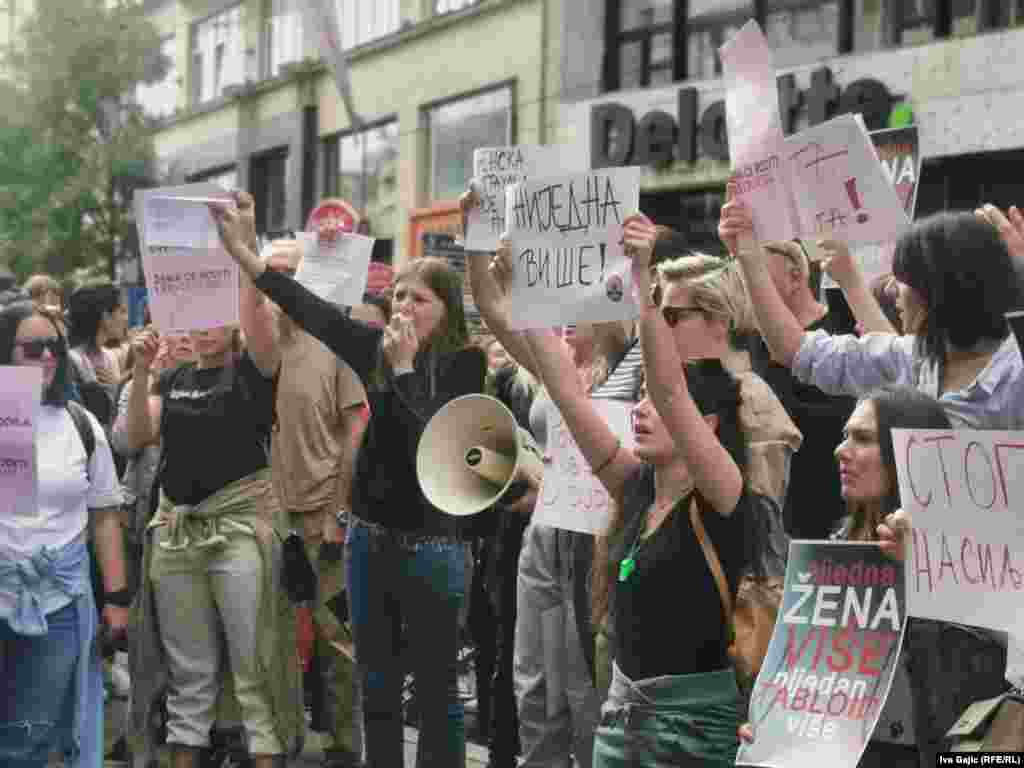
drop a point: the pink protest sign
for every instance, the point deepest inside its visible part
(840, 188)
(964, 490)
(755, 133)
(20, 390)
(191, 289)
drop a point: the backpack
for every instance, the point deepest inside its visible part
(84, 429)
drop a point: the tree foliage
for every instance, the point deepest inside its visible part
(73, 145)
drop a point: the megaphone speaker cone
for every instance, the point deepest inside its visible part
(469, 454)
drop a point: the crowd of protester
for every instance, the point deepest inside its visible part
(219, 483)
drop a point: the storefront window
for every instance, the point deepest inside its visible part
(456, 128)
(362, 168)
(709, 24)
(887, 23)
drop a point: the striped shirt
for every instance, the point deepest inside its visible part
(623, 383)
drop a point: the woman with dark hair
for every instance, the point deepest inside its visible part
(407, 559)
(870, 488)
(683, 483)
(51, 676)
(212, 603)
(955, 280)
(98, 316)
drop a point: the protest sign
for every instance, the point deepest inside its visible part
(570, 496)
(964, 490)
(336, 270)
(755, 133)
(191, 289)
(899, 153)
(178, 217)
(497, 168)
(567, 255)
(20, 397)
(831, 659)
(839, 186)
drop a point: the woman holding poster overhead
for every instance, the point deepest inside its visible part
(211, 577)
(51, 687)
(407, 559)
(673, 698)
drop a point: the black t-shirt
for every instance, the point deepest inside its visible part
(814, 495)
(215, 427)
(668, 614)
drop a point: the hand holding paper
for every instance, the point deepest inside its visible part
(735, 222)
(639, 237)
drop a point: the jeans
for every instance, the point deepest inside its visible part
(36, 681)
(399, 582)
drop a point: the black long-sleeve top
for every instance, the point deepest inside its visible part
(386, 490)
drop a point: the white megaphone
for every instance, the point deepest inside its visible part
(471, 451)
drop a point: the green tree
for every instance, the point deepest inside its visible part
(72, 144)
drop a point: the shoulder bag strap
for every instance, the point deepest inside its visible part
(713, 562)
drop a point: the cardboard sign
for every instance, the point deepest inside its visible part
(20, 397)
(191, 289)
(571, 497)
(964, 490)
(497, 168)
(755, 133)
(336, 270)
(568, 261)
(831, 659)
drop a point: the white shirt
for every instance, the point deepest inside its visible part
(67, 490)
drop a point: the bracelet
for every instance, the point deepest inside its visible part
(122, 598)
(341, 516)
(606, 462)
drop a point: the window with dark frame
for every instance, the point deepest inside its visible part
(268, 180)
(649, 43)
(362, 168)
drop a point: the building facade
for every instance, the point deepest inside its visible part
(248, 103)
(643, 86)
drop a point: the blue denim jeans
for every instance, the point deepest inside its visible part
(401, 583)
(36, 682)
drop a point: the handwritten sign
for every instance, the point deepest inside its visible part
(755, 133)
(20, 396)
(337, 269)
(570, 496)
(831, 659)
(191, 289)
(497, 168)
(839, 185)
(964, 490)
(568, 261)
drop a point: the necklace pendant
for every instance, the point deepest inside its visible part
(626, 568)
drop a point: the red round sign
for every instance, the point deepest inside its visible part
(332, 217)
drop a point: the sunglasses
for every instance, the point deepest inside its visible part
(673, 315)
(33, 348)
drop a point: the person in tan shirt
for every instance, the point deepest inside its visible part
(319, 430)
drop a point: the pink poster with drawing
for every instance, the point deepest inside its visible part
(755, 133)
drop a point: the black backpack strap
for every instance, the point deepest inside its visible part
(84, 427)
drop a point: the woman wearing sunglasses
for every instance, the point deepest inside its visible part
(50, 673)
(673, 696)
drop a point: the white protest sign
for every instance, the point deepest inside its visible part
(568, 261)
(570, 496)
(178, 216)
(755, 133)
(840, 187)
(336, 270)
(497, 168)
(964, 490)
(20, 397)
(191, 289)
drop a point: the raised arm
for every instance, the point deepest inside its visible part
(141, 420)
(713, 470)
(257, 319)
(355, 343)
(843, 268)
(780, 328)
(602, 450)
(489, 296)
